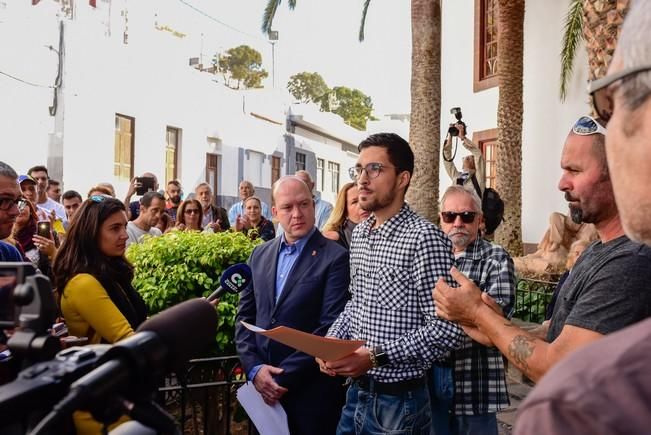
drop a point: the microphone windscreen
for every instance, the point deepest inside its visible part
(186, 329)
(236, 278)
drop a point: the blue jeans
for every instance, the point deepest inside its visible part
(485, 424)
(444, 421)
(366, 412)
(441, 390)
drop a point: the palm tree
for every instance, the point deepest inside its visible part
(510, 50)
(597, 23)
(424, 129)
(424, 126)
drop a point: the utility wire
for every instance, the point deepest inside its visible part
(26, 82)
(235, 29)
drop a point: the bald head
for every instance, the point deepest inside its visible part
(292, 179)
(293, 207)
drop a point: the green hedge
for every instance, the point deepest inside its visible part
(182, 265)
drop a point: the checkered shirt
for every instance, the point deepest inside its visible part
(393, 270)
(479, 380)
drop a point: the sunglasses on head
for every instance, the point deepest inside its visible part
(601, 93)
(467, 217)
(97, 198)
(586, 126)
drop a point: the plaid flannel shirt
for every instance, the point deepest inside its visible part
(393, 270)
(479, 378)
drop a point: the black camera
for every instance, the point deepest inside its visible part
(453, 130)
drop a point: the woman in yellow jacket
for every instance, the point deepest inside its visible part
(97, 300)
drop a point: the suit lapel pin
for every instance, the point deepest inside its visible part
(313, 253)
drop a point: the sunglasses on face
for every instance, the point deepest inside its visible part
(587, 125)
(599, 90)
(191, 211)
(467, 217)
(372, 170)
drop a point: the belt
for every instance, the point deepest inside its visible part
(391, 388)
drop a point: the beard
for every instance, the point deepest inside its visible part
(460, 239)
(576, 213)
(378, 202)
(176, 200)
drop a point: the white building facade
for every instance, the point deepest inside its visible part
(546, 120)
(128, 102)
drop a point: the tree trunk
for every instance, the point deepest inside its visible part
(510, 49)
(602, 22)
(424, 130)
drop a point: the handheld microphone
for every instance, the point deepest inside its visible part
(132, 366)
(234, 279)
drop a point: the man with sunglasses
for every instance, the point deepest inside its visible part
(469, 387)
(606, 387)
(602, 295)
(9, 202)
(396, 257)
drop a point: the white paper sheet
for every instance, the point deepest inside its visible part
(269, 420)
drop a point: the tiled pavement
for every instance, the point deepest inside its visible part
(518, 390)
(518, 387)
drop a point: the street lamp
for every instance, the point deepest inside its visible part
(273, 37)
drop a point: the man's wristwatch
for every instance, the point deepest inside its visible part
(378, 357)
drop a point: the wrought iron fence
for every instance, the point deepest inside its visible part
(531, 299)
(203, 398)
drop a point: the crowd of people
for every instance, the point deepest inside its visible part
(432, 304)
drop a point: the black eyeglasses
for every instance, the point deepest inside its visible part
(587, 125)
(467, 217)
(602, 100)
(372, 170)
(6, 203)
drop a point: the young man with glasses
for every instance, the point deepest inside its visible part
(469, 387)
(10, 202)
(396, 257)
(602, 295)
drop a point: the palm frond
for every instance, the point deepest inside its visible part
(269, 14)
(362, 24)
(292, 4)
(572, 36)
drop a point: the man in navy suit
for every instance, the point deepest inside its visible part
(300, 280)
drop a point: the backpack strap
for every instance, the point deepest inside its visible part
(477, 188)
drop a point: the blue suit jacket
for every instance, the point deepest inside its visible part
(315, 293)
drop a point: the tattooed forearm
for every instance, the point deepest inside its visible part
(520, 349)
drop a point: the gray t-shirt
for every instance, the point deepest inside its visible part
(607, 290)
(135, 233)
(603, 388)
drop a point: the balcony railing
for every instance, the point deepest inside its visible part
(531, 299)
(203, 399)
